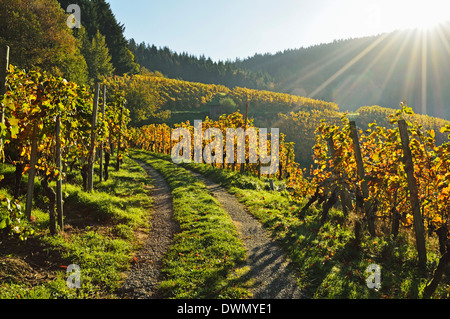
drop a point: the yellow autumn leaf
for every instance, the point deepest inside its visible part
(432, 133)
(376, 157)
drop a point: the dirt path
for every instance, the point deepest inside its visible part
(270, 272)
(145, 274)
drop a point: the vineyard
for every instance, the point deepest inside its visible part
(152, 97)
(368, 172)
(375, 193)
(52, 126)
(389, 182)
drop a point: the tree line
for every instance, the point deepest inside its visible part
(197, 69)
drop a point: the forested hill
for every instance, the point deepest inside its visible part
(383, 70)
(197, 69)
(99, 17)
(378, 70)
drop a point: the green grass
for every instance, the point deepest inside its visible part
(204, 260)
(102, 260)
(100, 236)
(328, 262)
(206, 250)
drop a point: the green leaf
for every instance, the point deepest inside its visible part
(408, 110)
(13, 121)
(376, 157)
(14, 131)
(3, 129)
(3, 223)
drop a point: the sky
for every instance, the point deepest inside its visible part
(230, 29)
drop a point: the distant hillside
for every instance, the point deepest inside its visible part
(380, 70)
(152, 98)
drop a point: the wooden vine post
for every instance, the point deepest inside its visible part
(170, 140)
(361, 175)
(245, 129)
(285, 175)
(413, 194)
(154, 140)
(59, 197)
(102, 144)
(342, 193)
(32, 171)
(90, 179)
(4, 65)
(119, 142)
(163, 140)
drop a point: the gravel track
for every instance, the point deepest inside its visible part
(145, 273)
(270, 273)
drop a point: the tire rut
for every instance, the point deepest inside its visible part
(270, 272)
(145, 274)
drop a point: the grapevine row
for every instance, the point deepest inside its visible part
(52, 126)
(389, 178)
(157, 138)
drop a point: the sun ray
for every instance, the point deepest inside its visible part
(320, 65)
(436, 74)
(440, 51)
(424, 38)
(410, 77)
(392, 41)
(394, 63)
(348, 65)
(328, 60)
(441, 35)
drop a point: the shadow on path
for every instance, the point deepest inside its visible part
(270, 274)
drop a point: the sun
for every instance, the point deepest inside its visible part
(427, 20)
(426, 23)
(410, 14)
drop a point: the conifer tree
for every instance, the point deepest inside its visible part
(99, 61)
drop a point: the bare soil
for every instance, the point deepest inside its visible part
(27, 262)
